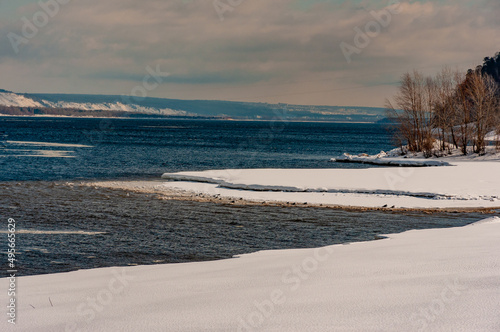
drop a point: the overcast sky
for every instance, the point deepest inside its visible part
(254, 50)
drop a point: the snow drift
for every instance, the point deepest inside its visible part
(436, 280)
(466, 184)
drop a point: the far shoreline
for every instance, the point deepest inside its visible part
(187, 118)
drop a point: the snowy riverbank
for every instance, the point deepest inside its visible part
(436, 280)
(396, 158)
(463, 185)
(384, 160)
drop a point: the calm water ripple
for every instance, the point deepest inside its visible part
(66, 228)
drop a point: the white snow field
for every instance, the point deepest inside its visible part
(462, 185)
(419, 280)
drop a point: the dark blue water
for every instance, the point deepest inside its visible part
(64, 226)
(121, 148)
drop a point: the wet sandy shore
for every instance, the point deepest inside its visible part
(165, 193)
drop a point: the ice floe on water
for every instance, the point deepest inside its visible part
(39, 149)
(26, 143)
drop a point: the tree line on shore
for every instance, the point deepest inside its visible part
(451, 110)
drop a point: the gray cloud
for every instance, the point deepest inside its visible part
(282, 50)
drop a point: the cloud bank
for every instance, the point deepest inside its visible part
(256, 50)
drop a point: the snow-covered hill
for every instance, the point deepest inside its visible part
(85, 104)
(16, 100)
(12, 99)
(116, 106)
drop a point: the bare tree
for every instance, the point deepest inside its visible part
(482, 92)
(457, 108)
(497, 125)
(412, 111)
(444, 108)
(462, 114)
(498, 135)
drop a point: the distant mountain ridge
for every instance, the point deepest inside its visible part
(188, 108)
